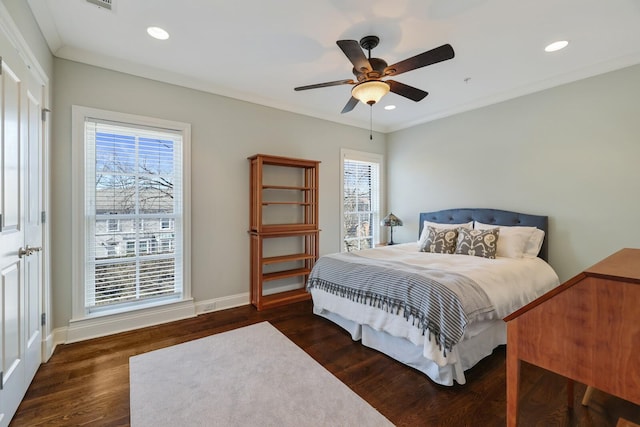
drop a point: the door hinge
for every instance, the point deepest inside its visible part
(1, 380)
(44, 114)
(0, 223)
(0, 65)
(43, 319)
(43, 217)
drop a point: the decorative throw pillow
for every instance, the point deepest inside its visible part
(426, 224)
(482, 243)
(440, 240)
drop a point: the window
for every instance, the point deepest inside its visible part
(361, 190)
(143, 246)
(166, 245)
(133, 185)
(113, 225)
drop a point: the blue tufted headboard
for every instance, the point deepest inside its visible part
(489, 216)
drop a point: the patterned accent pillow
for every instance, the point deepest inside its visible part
(482, 243)
(440, 240)
(426, 224)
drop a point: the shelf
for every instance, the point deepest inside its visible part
(286, 187)
(286, 258)
(288, 203)
(267, 159)
(286, 273)
(284, 230)
(290, 193)
(283, 298)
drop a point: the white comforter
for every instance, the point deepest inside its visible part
(509, 283)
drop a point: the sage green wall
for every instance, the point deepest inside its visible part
(571, 152)
(224, 133)
(26, 23)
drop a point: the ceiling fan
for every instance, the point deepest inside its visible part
(369, 87)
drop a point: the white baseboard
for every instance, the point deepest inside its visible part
(84, 329)
(48, 346)
(223, 303)
(59, 337)
(80, 330)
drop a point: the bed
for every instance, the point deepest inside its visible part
(437, 311)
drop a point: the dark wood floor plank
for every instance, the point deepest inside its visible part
(87, 383)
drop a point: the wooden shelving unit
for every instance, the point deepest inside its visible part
(283, 228)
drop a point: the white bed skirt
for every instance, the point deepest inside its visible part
(464, 355)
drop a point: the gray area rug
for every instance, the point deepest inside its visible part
(246, 377)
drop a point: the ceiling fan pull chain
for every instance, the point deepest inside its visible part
(371, 122)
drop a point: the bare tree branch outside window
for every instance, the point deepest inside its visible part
(358, 209)
(135, 186)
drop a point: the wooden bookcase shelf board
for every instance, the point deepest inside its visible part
(299, 192)
(586, 329)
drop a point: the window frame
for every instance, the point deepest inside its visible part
(79, 236)
(363, 156)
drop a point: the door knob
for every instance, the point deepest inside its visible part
(28, 250)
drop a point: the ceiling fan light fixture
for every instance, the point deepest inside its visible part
(370, 92)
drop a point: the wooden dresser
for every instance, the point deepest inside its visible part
(587, 329)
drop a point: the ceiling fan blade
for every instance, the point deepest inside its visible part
(319, 85)
(350, 105)
(354, 52)
(429, 57)
(413, 93)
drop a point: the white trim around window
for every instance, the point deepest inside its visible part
(87, 323)
(363, 156)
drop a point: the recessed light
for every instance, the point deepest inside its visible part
(556, 46)
(157, 33)
(389, 107)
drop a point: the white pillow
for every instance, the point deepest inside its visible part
(425, 232)
(512, 240)
(533, 246)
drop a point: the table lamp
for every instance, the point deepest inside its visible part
(391, 221)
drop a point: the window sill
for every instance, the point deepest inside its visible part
(115, 321)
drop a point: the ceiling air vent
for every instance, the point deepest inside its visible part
(107, 4)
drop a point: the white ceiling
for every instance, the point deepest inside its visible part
(258, 51)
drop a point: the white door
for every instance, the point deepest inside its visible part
(20, 269)
(33, 265)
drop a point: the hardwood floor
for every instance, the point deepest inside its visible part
(87, 383)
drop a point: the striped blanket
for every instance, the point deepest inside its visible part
(440, 303)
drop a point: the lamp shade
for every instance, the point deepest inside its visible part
(370, 92)
(391, 221)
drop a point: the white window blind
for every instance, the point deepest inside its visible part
(361, 203)
(133, 178)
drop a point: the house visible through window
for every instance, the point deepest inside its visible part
(113, 225)
(134, 214)
(361, 199)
